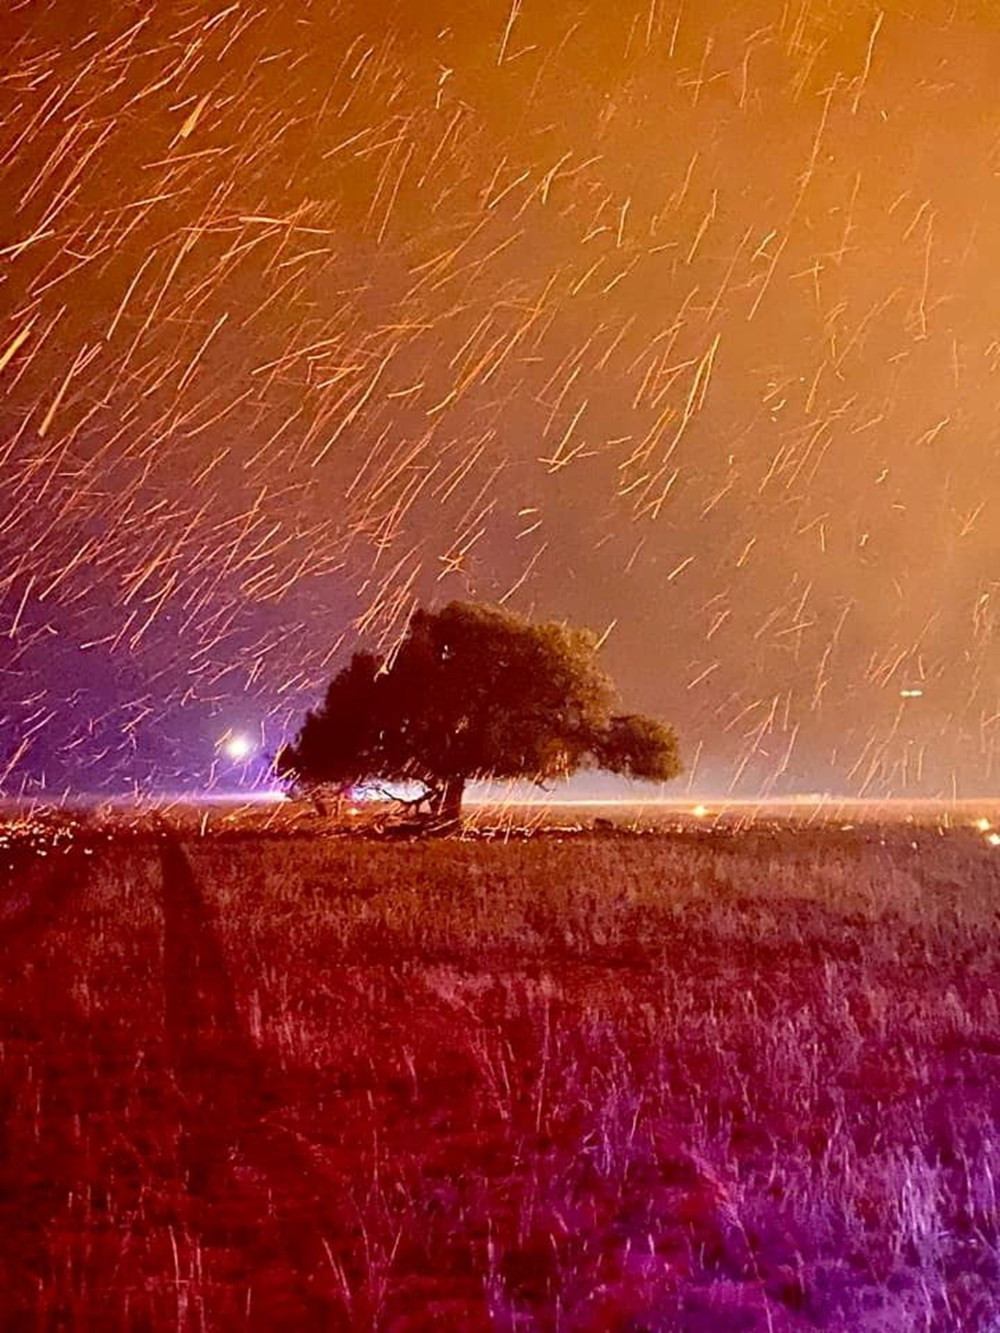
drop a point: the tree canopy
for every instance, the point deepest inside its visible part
(474, 692)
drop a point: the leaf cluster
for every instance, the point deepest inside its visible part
(476, 692)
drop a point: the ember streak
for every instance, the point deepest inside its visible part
(671, 319)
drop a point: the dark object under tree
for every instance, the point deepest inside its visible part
(473, 692)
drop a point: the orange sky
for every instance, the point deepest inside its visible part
(682, 316)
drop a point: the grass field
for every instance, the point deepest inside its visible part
(717, 1078)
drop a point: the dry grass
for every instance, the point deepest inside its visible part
(696, 1082)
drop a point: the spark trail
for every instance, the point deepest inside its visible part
(304, 317)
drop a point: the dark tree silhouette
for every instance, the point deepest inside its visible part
(474, 692)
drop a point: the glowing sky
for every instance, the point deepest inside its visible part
(680, 316)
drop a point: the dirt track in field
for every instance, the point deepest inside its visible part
(245, 1183)
(233, 1147)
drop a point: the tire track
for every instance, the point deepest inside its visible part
(229, 1101)
(215, 1063)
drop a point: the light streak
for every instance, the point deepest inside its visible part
(658, 318)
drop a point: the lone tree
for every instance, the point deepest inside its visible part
(474, 692)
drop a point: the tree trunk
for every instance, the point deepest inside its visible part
(447, 803)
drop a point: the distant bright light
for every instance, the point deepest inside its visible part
(911, 694)
(983, 825)
(700, 811)
(993, 839)
(237, 747)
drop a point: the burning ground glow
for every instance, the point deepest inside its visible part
(662, 317)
